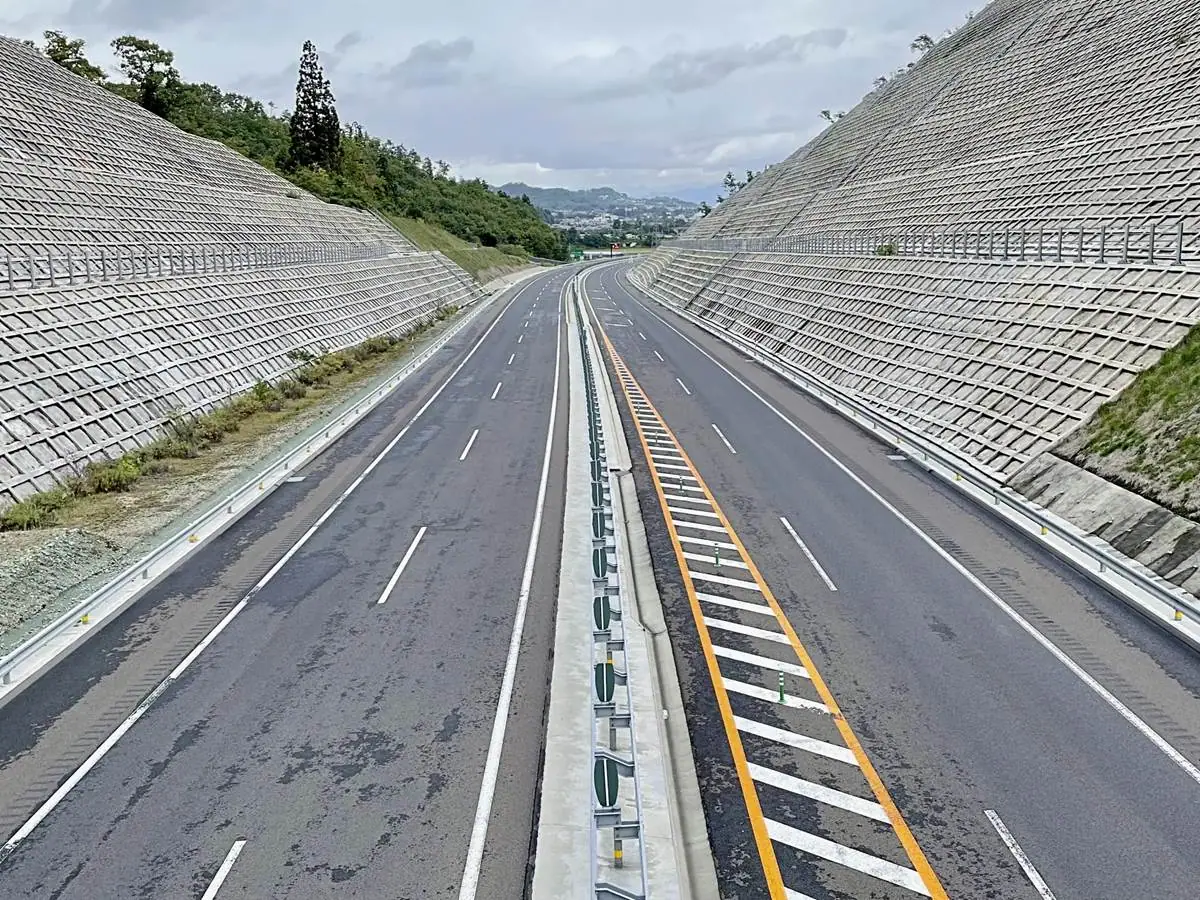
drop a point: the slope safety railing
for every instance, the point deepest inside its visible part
(27, 271)
(1155, 243)
(614, 754)
(1176, 609)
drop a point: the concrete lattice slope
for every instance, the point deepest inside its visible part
(148, 273)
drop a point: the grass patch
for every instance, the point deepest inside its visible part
(188, 443)
(472, 257)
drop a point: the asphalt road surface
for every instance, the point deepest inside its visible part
(325, 743)
(960, 709)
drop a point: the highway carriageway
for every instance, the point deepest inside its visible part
(890, 694)
(307, 707)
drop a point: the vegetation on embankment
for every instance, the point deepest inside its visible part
(309, 146)
(1147, 439)
(189, 443)
(484, 263)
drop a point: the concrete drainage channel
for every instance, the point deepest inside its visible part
(40, 653)
(620, 813)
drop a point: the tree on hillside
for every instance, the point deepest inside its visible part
(831, 116)
(315, 132)
(68, 53)
(705, 209)
(922, 44)
(151, 71)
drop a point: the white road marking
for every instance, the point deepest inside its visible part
(789, 894)
(700, 557)
(897, 457)
(761, 608)
(819, 792)
(525, 324)
(676, 486)
(728, 582)
(226, 867)
(705, 542)
(491, 768)
(88, 764)
(617, 324)
(1164, 746)
(685, 387)
(683, 499)
(721, 435)
(772, 696)
(764, 662)
(901, 876)
(295, 479)
(520, 337)
(642, 336)
(1019, 855)
(497, 390)
(747, 630)
(798, 741)
(470, 443)
(697, 525)
(510, 359)
(408, 554)
(692, 512)
(660, 356)
(812, 559)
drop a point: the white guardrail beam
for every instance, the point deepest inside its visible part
(1163, 602)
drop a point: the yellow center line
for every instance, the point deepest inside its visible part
(916, 856)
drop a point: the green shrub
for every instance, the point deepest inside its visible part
(292, 389)
(112, 477)
(888, 249)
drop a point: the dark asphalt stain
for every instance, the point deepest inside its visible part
(941, 629)
(66, 883)
(450, 726)
(437, 781)
(339, 874)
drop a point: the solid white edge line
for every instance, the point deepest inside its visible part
(497, 390)
(808, 553)
(226, 867)
(88, 764)
(470, 443)
(408, 554)
(491, 769)
(1019, 855)
(685, 387)
(721, 435)
(1167, 749)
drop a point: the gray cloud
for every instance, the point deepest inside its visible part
(348, 40)
(432, 64)
(663, 102)
(681, 72)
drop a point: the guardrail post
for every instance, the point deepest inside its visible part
(1151, 243)
(32, 270)
(1058, 252)
(1125, 245)
(1103, 238)
(8, 267)
(1079, 249)
(50, 266)
(1006, 244)
(1179, 243)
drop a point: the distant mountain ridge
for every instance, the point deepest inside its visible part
(599, 201)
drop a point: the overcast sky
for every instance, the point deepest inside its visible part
(660, 97)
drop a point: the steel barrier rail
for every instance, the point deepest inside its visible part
(37, 655)
(131, 263)
(1163, 243)
(610, 577)
(1103, 560)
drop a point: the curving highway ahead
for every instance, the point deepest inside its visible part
(332, 733)
(991, 689)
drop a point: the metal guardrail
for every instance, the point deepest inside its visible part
(38, 653)
(611, 707)
(131, 263)
(958, 468)
(1162, 243)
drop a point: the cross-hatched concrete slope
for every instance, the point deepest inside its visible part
(80, 168)
(94, 370)
(996, 359)
(1036, 113)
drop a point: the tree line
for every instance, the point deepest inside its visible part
(309, 145)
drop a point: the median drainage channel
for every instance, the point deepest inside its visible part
(821, 817)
